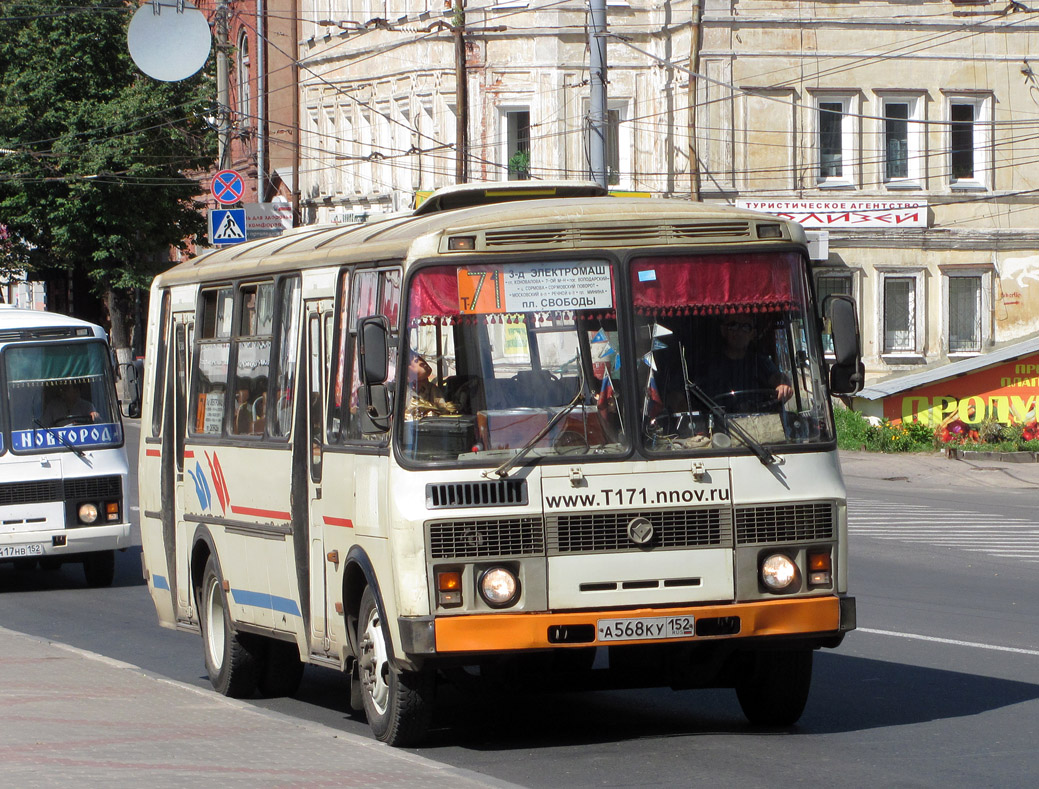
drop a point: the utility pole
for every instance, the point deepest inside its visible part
(296, 219)
(461, 96)
(597, 101)
(223, 90)
(694, 69)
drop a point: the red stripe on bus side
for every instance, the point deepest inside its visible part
(153, 453)
(188, 453)
(273, 514)
(345, 522)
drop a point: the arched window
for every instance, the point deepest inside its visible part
(244, 84)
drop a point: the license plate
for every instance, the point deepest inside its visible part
(645, 628)
(14, 551)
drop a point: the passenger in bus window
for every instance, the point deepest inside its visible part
(425, 397)
(68, 407)
(739, 375)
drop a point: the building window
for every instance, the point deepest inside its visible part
(964, 314)
(516, 124)
(835, 140)
(968, 141)
(899, 325)
(831, 284)
(244, 86)
(902, 141)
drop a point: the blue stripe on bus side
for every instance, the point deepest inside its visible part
(160, 582)
(282, 605)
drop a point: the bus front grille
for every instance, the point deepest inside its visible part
(486, 537)
(594, 532)
(42, 491)
(806, 522)
(484, 493)
(33, 492)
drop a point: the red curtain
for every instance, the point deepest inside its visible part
(708, 284)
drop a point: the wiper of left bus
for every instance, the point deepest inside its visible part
(68, 444)
(503, 470)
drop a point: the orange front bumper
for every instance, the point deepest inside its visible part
(504, 632)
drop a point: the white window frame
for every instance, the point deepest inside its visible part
(245, 87)
(984, 273)
(982, 142)
(916, 354)
(850, 124)
(504, 111)
(916, 139)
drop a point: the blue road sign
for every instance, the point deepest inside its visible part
(227, 187)
(226, 226)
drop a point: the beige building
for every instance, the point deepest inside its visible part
(905, 133)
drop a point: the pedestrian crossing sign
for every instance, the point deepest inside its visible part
(226, 226)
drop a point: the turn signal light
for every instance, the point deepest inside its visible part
(819, 568)
(449, 588)
(112, 510)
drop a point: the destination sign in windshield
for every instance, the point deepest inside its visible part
(533, 287)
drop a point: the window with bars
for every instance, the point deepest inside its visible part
(965, 314)
(899, 315)
(827, 285)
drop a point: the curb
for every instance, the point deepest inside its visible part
(1002, 457)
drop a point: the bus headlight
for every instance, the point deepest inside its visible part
(778, 572)
(87, 513)
(499, 587)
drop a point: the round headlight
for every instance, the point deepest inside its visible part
(499, 587)
(778, 572)
(87, 513)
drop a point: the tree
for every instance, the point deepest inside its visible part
(99, 164)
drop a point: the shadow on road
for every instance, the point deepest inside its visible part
(21, 576)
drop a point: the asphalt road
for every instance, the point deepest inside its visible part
(939, 686)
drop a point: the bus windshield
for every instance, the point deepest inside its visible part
(60, 396)
(512, 358)
(726, 352)
(527, 357)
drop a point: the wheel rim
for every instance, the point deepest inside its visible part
(375, 664)
(215, 635)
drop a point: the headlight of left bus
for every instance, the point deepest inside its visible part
(87, 513)
(499, 587)
(779, 573)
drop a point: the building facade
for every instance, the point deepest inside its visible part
(903, 133)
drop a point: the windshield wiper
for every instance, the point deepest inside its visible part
(68, 444)
(504, 469)
(731, 425)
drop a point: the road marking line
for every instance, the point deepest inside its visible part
(952, 641)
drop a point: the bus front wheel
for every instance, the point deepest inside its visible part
(99, 568)
(773, 687)
(232, 659)
(398, 704)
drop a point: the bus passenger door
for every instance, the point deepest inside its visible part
(175, 464)
(322, 571)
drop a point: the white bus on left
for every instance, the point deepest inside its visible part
(62, 460)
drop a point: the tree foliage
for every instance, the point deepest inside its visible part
(99, 163)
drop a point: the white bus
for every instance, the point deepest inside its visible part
(496, 435)
(63, 463)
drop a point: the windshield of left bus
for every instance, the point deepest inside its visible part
(59, 396)
(512, 358)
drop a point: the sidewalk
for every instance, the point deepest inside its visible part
(936, 470)
(72, 718)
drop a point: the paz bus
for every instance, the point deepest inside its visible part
(490, 433)
(63, 463)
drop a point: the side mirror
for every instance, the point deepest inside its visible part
(374, 403)
(133, 386)
(373, 334)
(847, 374)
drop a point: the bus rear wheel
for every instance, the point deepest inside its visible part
(398, 704)
(773, 688)
(233, 659)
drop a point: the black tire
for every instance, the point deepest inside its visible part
(282, 669)
(233, 660)
(99, 568)
(774, 687)
(398, 704)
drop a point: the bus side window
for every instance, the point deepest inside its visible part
(161, 362)
(214, 349)
(253, 359)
